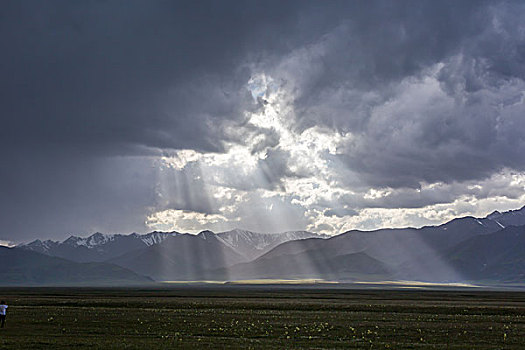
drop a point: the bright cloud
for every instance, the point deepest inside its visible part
(273, 164)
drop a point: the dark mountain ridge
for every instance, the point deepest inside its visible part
(419, 254)
(23, 267)
(499, 255)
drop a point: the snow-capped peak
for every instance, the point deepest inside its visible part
(508, 218)
(494, 215)
(254, 243)
(206, 234)
(92, 241)
(98, 239)
(155, 237)
(40, 246)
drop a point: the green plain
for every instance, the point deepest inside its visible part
(261, 317)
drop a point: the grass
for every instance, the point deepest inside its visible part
(261, 317)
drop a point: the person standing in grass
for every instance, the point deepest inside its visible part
(3, 309)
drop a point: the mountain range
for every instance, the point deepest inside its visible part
(489, 249)
(97, 247)
(444, 253)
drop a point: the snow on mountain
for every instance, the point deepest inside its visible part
(41, 246)
(253, 244)
(95, 240)
(248, 243)
(155, 237)
(508, 218)
(237, 238)
(99, 239)
(494, 215)
(206, 234)
(98, 246)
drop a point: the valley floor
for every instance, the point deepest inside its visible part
(261, 317)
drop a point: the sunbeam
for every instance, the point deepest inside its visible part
(274, 177)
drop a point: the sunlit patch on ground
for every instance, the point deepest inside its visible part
(421, 284)
(283, 281)
(262, 281)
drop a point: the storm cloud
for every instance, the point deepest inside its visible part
(270, 116)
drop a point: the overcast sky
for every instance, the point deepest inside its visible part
(133, 116)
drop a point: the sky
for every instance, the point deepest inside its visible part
(326, 116)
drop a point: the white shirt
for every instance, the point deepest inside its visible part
(2, 309)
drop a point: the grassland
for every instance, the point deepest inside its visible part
(261, 317)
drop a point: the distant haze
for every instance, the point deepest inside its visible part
(487, 251)
(269, 116)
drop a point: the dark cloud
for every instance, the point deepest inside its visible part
(430, 92)
(45, 195)
(91, 73)
(91, 92)
(160, 74)
(340, 212)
